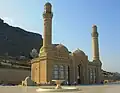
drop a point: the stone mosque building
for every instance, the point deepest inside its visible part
(55, 62)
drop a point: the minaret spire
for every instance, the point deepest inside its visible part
(95, 44)
(47, 16)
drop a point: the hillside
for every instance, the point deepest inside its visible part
(16, 42)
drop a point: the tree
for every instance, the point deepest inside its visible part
(34, 53)
(116, 76)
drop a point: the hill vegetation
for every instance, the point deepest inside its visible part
(15, 41)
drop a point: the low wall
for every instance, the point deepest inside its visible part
(13, 76)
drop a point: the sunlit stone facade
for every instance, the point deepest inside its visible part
(56, 62)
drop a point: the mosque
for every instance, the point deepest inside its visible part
(55, 62)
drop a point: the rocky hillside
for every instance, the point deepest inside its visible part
(15, 41)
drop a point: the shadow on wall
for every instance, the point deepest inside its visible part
(13, 76)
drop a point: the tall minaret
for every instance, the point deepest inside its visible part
(47, 34)
(95, 44)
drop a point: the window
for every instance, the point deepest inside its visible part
(66, 72)
(91, 74)
(94, 74)
(55, 72)
(56, 67)
(61, 70)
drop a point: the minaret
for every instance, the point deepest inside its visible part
(47, 34)
(95, 44)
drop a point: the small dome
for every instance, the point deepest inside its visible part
(62, 50)
(60, 46)
(79, 52)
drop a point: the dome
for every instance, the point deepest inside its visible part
(79, 52)
(61, 47)
(62, 50)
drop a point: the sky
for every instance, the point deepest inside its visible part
(72, 24)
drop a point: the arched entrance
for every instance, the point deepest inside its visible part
(79, 74)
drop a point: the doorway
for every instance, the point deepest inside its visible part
(79, 71)
(68, 75)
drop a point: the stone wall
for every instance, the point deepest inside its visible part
(13, 76)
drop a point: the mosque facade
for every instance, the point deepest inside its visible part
(55, 62)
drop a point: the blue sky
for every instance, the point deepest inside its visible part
(72, 24)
